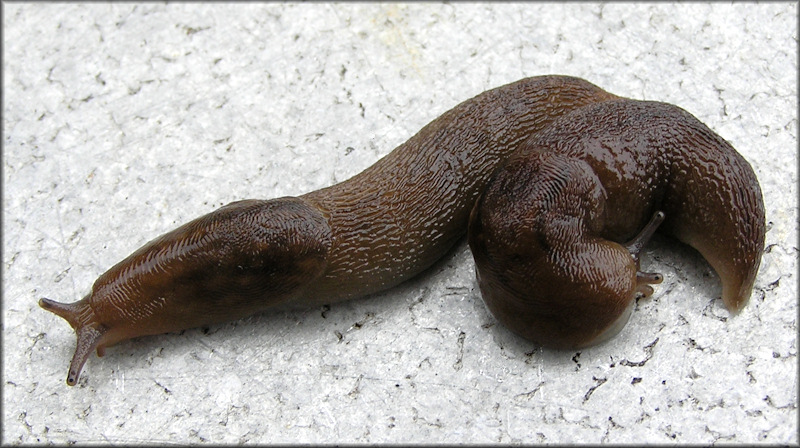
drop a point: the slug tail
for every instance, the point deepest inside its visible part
(90, 333)
(737, 289)
(715, 205)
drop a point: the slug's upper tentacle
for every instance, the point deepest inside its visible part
(547, 235)
(635, 246)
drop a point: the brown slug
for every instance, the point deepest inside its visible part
(599, 166)
(549, 233)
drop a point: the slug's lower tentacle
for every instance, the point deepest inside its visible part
(583, 172)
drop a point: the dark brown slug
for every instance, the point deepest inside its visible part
(549, 233)
(587, 176)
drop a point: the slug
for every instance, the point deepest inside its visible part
(595, 181)
(557, 233)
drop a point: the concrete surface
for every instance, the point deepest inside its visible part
(122, 121)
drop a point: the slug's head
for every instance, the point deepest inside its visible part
(234, 262)
(588, 182)
(544, 269)
(90, 332)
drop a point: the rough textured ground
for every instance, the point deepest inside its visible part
(122, 121)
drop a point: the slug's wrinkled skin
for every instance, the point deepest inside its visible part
(556, 235)
(219, 267)
(399, 216)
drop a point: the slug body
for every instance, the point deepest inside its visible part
(556, 235)
(399, 216)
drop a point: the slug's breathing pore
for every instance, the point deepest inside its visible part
(560, 183)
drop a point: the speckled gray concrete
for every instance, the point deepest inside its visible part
(121, 122)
